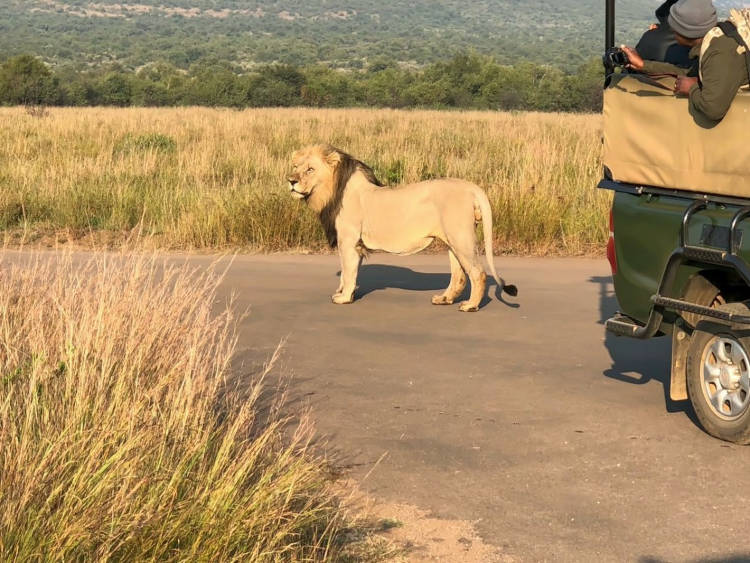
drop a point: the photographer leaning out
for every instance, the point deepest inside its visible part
(722, 67)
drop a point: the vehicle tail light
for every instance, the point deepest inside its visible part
(611, 254)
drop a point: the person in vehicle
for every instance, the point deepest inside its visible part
(659, 42)
(722, 67)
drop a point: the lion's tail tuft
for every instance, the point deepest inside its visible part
(486, 209)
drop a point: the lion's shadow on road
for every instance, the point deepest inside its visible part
(378, 277)
(637, 362)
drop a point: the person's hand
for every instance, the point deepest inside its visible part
(684, 84)
(653, 26)
(636, 62)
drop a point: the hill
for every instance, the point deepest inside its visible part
(350, 34)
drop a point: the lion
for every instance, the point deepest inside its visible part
(360, 215)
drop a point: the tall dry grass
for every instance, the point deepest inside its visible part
(212, 178)
(125, 436)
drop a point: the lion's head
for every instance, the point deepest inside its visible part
(319, 176)
(313, 175)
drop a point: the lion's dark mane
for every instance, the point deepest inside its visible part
(346, 168)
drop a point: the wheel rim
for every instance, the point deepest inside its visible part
(726, 377)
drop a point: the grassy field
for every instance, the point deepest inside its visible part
(197, 178)
(125, 435)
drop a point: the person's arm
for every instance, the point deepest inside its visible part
(657, 67)
(651, 67)
(722, 77)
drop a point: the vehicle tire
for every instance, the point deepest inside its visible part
(718, 377)
(703, 292)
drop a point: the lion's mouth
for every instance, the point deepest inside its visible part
(298, 194)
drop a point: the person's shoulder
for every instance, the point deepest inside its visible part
(725, 43)
(718, 44)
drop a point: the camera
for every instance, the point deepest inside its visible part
(615, 57)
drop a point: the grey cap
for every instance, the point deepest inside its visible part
(693, 18)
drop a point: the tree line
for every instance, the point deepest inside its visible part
(466, 81)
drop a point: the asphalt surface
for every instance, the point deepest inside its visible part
(560, 443)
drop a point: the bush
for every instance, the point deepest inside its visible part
(27, 80)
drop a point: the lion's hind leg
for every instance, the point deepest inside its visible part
(470, 262)
(478, 287)
(457, 283)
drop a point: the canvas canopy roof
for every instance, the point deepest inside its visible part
(652, 139)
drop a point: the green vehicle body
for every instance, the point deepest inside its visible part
(646, 227)
(647, 230)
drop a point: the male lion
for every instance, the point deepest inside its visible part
(359, 214)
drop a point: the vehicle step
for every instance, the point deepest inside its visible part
(686, 307)
(707, 255)
(622, 326)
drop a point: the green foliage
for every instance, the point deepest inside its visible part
(115, 89)
(26, 80)
(146, 142)
(391, 174)
(467, 81)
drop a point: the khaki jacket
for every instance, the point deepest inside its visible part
(722, 72)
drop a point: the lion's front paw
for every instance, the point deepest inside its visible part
(341, 299)
(441, 300)
(467, 307)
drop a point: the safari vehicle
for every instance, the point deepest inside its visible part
(679, 242)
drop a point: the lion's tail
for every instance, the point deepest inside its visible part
(486, 210)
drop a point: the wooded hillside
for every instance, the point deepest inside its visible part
(347, 34)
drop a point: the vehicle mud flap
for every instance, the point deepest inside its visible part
(678, 380)
(703, 292)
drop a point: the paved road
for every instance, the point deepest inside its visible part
(558, 441)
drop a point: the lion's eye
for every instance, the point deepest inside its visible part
(309, 171)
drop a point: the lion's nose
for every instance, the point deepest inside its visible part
(293, 181)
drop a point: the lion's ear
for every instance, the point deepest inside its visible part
(333, 158)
